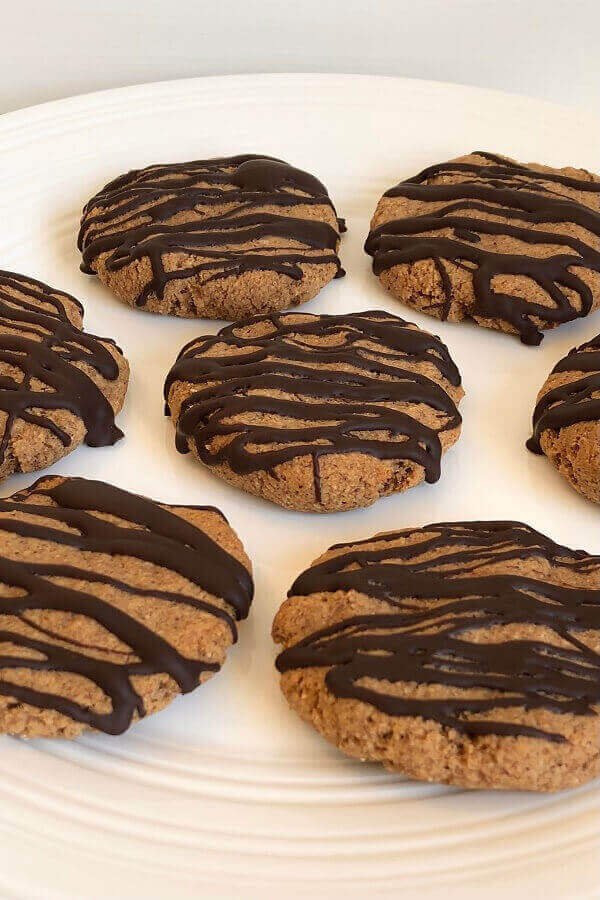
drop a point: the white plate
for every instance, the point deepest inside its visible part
(227, 793)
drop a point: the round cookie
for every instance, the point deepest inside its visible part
(566, 419)
(58, 385)
(112, 605)
(217, 238)
(466, 653)
(513, 247)
(317, 413)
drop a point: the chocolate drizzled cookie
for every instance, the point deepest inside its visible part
(466, 653)
(566, 419)
(58, 385)
(218, 238)
(112, 605)
(513, 247)
(317, 412)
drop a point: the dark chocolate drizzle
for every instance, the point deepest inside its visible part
(577, 401)
(523, 196)
(44, 346)
(289, 359)
(129, 219)
(158, 536)
(435, 604)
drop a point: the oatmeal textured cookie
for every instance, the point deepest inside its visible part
(466, 653)
(216, 238)
(58, 385)
(112, 605)
(317, 413)
(513, 247)
(566, 419)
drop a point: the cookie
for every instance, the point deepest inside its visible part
(466, 653)
(512, 247)
(112, 605)
(217, 238)
(317, 413)
(58, 385)
(566, 419)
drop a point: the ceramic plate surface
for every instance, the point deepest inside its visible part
(226, 793)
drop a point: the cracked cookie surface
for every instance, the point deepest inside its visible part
(512, 247)
(466, 653)
(59, 386)
(219, 238)
(566, 419)
(317, 413)
(112, 605)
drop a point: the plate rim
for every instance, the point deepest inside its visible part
(284, 77)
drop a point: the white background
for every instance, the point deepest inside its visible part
(56, 48)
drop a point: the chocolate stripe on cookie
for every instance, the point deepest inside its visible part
(574, 402)
(335, 382)
(131, 219)
(469, 209)
(41, 345)
(437, 633)
(94, 517)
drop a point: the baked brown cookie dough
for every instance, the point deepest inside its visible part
(566, 419)
(463, 653)
(217, 238)
(513, 247)
(112, 605)
(317, 413)
(58, 385)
